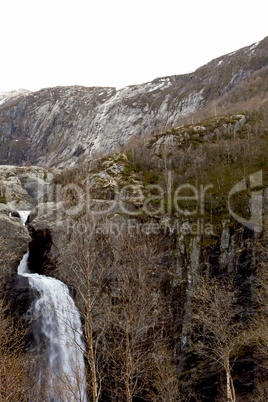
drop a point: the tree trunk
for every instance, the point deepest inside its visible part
(230, 386)
(128, 361)
(91, 358)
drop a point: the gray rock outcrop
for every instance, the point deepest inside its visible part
(14, 239)
(20, 190)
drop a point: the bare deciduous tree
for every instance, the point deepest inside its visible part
(86, 260)
(120, 283)
(138, 313)
(256, 336)
(215, 328)
(17, 382)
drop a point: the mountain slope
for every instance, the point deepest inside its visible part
(57, 126)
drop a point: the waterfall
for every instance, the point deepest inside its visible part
(56, 322)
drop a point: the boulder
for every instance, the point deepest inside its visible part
(21, 187)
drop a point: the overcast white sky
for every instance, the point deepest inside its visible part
(119, 42)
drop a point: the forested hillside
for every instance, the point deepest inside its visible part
(161, 239)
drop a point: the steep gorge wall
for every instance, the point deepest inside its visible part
(20, 190)
(233, 251)
(57, 125)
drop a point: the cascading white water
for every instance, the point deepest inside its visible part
(24, 216)
(58, 320)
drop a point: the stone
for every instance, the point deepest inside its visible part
(21, 187)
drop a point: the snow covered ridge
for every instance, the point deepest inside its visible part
(162, 83)
(12, 94)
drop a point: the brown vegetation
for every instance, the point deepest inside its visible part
(17, 382)
(121, 295)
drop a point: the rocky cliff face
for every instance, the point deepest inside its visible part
(61, 126)
(233, 252)
(20, 190)
(57, 126)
